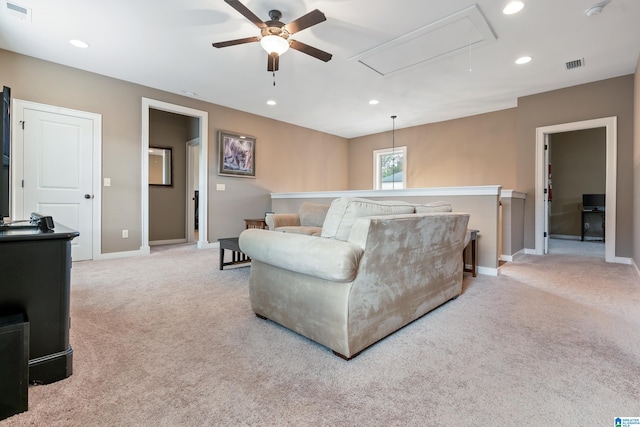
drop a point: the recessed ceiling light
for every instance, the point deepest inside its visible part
(79, 43)
(374, 102)
(271, 102)
(513, 7)
(523, 60)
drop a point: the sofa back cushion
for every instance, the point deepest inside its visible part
(312, 214)
(345, 210)
(434, 207)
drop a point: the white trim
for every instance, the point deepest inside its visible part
(511, 258)
(127, 254)
(167, 242)
(621, 260)
(565, 237)
(190, 195)
(488, 271)
(635, 267)
(486, 190)
(513, 194)
(203, 117)
(17, 164)
(610, 123)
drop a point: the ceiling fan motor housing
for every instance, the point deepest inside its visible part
(274, 27)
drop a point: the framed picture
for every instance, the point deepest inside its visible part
(236, 155)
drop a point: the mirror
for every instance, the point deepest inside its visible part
(160, 171)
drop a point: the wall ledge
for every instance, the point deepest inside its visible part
(484, 190)
(513, 194)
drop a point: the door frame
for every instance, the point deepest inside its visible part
(542, 166)
(203, 126)
(192, 145)
(17, 164)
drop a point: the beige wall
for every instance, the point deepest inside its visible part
(489, 149)
(578, 161)
(318, 161)
(606, 98)
(476, 150)
(499, 148)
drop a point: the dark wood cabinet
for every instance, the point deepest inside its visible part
(35, 275)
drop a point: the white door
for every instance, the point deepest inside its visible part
(58, 173)
(546, 193)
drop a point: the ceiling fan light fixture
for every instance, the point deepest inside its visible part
(274, 44)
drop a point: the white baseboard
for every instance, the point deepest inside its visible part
(488, 271)
(511, 258)
(127, 254)
(208, 245)
(635, 267)
(167, 242)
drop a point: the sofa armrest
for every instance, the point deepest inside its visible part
(282, 220)
(327, 259)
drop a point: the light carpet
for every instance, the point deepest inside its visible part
(169, 340)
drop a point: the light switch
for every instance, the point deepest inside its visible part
(220, 187)
(107, 182)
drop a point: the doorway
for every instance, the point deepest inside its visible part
(203, 148)
(577, 167)
(57, 161)
(542, 181)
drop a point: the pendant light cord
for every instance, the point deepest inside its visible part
(393, 152)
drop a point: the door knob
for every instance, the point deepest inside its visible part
(88, 196)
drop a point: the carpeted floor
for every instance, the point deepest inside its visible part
(169, 340)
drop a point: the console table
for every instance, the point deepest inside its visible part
(237, 256)
(255, 223)
(36, 275)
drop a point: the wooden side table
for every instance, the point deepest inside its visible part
(473, 242)
(255, 223)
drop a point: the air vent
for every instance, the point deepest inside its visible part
(576, 63)
(20, 12)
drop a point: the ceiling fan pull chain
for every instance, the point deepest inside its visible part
(274, 78)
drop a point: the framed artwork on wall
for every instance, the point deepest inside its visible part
(236, 155)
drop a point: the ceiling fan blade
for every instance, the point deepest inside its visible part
(273, 61)
(246, 13)
(312, 18)
(310, 50)
(235, 42)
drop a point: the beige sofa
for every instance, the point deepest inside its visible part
(308, 220)
(377, 267)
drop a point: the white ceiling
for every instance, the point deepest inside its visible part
(166, 44)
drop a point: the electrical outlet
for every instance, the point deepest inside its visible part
(125, 234)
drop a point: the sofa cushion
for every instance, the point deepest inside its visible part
(323, 258)
(312, 214)
(300, 229)
(281, 220)
(434, 207)
(345, 210)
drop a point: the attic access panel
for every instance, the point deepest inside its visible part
(451, 35)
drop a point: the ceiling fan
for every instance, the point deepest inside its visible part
(275, 34)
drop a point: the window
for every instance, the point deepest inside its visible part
(389, 166)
